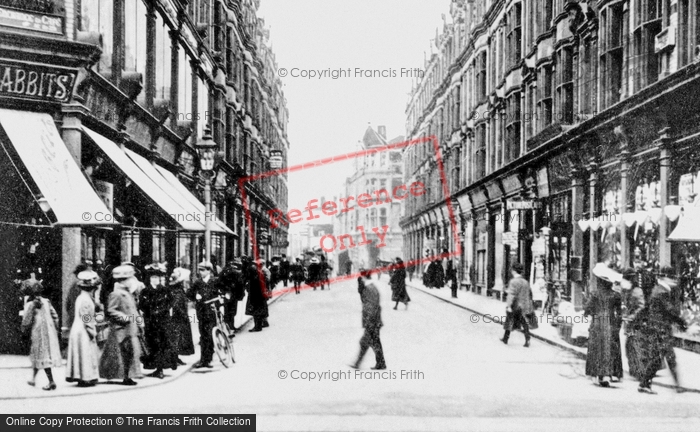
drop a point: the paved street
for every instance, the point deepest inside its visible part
(470, 380)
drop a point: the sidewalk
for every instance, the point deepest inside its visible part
(482, 306)
(16, 370)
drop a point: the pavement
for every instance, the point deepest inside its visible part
(489, 310)
(16, 370)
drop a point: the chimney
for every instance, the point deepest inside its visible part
(381, 130)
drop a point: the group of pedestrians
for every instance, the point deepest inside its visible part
(149, 326)
(648, 325)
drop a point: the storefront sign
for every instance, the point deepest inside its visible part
(105, 191)
(542, 183)
(30, 20)
(276, 159)
(33, 81)
(523, 205)
(686, 189)
(510, 238)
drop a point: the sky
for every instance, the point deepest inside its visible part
(328, 116)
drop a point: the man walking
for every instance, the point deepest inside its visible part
(657, 331)
(371, 321)
(204, 289)
(518, 305)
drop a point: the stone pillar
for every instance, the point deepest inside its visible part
(576, 233)
(621, 226)
(150, 56)
(593, 252)
(70, 237)
(174, 77)
(664, 163)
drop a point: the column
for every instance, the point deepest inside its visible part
(174, 76)
(664, 164)
(576, 234)
(150, 56)
(624, 241)
(593, 252)
(472, 269)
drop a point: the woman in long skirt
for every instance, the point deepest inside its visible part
(181, 324)
(632, 304)
(398, 285)
(42, 319)
(604, 359)
(83, 354)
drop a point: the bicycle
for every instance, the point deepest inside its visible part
(221, 333)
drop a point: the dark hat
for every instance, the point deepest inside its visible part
(518, 268)
(667, 271)
(629, 274)
(79, 268)
(205, 265)
(156, 269)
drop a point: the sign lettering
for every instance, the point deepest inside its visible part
(40, 82)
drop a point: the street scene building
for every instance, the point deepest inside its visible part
(569, 133)
(104, 107)
(375, 174)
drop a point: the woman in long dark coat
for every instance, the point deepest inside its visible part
(256, 305)
(398, 285)
(181, 326)
(436, 274)
(156, 302)
(632, 305)
(604, 357)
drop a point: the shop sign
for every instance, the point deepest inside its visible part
(105, 191)
(33, 81)
(685, 189)
(30, 20)
(523, 205)
(510, 238)
(276, 159)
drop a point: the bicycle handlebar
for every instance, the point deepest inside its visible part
(215, 299)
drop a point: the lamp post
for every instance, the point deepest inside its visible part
(206, 148)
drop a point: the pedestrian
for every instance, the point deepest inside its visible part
(632, 305)
(398, 284)
(156, 303)
(284, 270)
(604, 306)
(122, 351)
(436, 274)
(181, 327)
(451, 275)
(83, 353)
(518, 305)
(315, 273)
(205, 288)
(656, 331)
(371, 321)
(427, 282)
(73, 294)
(256, 305)
(41, 319)
(297, 274)
(232, 284)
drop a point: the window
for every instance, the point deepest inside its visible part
(163, 55)
(480, 152)
(544, 104)
(587, 82)
(647, 25)
(134, 36)
(97, 16)
(184, 97)
(382, 217)
(565, 86)
(480, 67)
(204, 116)
(512, 138)
(688, 32)
(514, 37)
(230, 136)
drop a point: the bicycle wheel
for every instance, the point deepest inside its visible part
(222, 347)
(231, 335)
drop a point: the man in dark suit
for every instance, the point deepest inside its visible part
(205, 288)
(371, 321)
(518, 304)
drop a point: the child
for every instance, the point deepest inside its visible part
(42, 318)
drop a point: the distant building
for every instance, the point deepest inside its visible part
(374, 173)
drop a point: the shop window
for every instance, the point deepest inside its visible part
(97, 16)
(130, 244)
(481, 267)
(158, 251)
(559, 257)
(93, 245)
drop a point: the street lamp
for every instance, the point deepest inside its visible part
(206, 148)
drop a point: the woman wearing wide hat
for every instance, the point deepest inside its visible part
(604, 358)
(83, 354)
(156, 304)
(181, 326)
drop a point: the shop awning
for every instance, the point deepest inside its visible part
(218, 225)
(182, 215)
(688, 228)
(53, 169)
